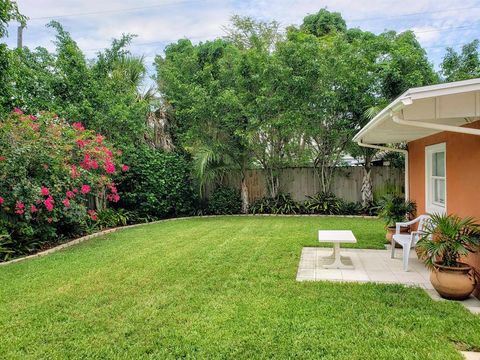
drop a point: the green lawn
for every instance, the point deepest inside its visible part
(217, 288)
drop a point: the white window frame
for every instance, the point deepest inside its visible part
(430, 205)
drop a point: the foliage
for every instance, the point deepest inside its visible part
(49, 170)
(102, 93)
(323, 23)
(282, 204)
(351, 208)
(393, 208)
(210, 167)
(371, 208)
(402, 64)
(225, 201)
(462, 66)
(197, 83)
(158, 185)
(260, 97)
(270, 129)
(325, 203)
(448, 238)
(110, 218)
(248, 33)
(8, 12)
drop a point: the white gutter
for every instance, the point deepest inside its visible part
(385, 148)
(421, 124)
(441, 127)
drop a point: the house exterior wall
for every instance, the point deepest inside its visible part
(462, 175)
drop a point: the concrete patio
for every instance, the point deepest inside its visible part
(370, 266)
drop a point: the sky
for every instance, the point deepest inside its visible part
(94, 23)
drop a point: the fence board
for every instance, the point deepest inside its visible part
(303, 181)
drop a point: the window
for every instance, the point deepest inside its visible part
(436, 178)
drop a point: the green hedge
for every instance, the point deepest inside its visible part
(157, 185)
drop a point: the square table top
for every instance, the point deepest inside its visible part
(344, 236)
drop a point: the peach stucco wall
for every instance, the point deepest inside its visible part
(463, 174)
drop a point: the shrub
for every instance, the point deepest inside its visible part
(393, 208)
(371, 209)
(324, 203)
(49, 170)
(110, 218)
(351, 208)
(158, 184)
(224, 200)
(282, 204)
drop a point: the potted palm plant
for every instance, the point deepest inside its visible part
(392, 209)
(445, 240)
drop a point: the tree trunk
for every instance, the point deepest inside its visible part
(273, 183)
(367, 192)
(244, 194)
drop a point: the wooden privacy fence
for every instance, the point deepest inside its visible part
(303, 181)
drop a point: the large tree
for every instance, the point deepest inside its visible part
(462, 66)
(260, 84)
(199, 84)
(103, 93)
(331, 83)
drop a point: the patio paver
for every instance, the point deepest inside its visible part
(371, 266)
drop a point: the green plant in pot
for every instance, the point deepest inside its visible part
(392, 209)
(446, 239)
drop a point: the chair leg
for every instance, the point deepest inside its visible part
(393, 249)
(406, 253)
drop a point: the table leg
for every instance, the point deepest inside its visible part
(337, 262)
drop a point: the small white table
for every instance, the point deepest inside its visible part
(336, 237)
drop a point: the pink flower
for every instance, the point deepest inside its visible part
(81, 143)
(109, 167)
(19, 208)
(50, 220)
(2, 158)
(94, 164)
(78, 126)
(113, 188)
(70, 194)
(35, 126)
(74, 173)
(93, 215)
(48, 203)
(33, 209)
(1, 200)
(86, 162)
(17, 111)
(113, 197)
(44, 191)
(99, 138)
(85, 189)
(75, 190)
(125, 167)
(33, 118)
(66, 202)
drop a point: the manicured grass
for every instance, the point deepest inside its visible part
(217, 288)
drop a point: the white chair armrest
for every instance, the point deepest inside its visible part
(398, 225)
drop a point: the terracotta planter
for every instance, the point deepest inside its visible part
(389, 234)
(455, 283)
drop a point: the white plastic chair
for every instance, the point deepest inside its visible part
(407, 241)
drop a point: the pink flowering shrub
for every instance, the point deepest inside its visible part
(50, 171)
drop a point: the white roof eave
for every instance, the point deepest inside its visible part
(413, 94)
